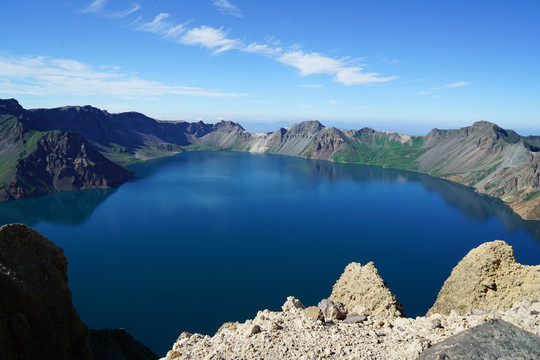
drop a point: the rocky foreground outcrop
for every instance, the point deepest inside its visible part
(361, 289)
(495, 339)
(37, 318)
(488, 278)
(353, 324)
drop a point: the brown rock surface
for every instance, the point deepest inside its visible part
(488, 278)
(37, 317)
(362, 287)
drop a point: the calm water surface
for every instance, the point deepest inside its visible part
(208, 237)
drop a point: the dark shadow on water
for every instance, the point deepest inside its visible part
(67, 208)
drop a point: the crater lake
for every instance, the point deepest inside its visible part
(202, 238)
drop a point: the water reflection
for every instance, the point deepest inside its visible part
(73, 208)
(475, 206)
(67, 208)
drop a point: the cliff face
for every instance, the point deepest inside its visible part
(37, 317)
(39, 162)
(492, 160)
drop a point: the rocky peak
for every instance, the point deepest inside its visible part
(306, 128)
(362, 290)
(11, 107)
(229, 125)
(488, 278)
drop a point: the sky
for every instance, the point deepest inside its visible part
(406, 66)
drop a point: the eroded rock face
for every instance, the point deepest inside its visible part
(488, 278)
(361, 289)
(37, 317)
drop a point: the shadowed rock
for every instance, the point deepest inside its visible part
(117, 344)
(37, 317)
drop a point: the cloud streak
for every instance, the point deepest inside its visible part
(307, 63)
(225, 7)
(447, 86)
(45, 76)
(98, 6)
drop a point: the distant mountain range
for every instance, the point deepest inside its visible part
(49, 150)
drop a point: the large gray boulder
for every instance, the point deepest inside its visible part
(493, 340)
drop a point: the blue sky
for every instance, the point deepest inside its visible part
(407, 66)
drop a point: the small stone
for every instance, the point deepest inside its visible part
(185, 335)
(313, 312)
(173, 354)
(354, 319)
(332, 310)
(292, 303)
(436, 324)
(252, 330)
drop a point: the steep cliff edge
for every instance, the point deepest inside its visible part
(37, 317)
(39, 162)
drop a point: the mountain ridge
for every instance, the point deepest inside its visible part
(494, 161)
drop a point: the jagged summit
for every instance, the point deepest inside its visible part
(306, 127)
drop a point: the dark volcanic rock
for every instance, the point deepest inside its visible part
(37, 317)
(117, 344)
(62, 162)
(494, 339)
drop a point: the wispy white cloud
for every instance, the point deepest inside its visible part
(314, 63)
(123, 13)
(98, 6)
(334, 102)
(163, 27)
(447, 86)
(455, 85)
(95, 6)
(44, 76)
(225, 7)
(210, 38)
(308, 86)
(308, 63)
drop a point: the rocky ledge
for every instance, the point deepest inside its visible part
(351, 325)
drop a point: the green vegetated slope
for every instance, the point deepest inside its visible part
(495, 161)
(39, 162)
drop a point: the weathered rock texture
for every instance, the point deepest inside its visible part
(495, 339)
(292, 335)
(360, 289)
(488, 278)
(117, 344)
(37, 318)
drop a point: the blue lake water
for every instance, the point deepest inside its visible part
(202, 238)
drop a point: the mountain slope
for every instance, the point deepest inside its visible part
(39, 162)
(492, 160)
